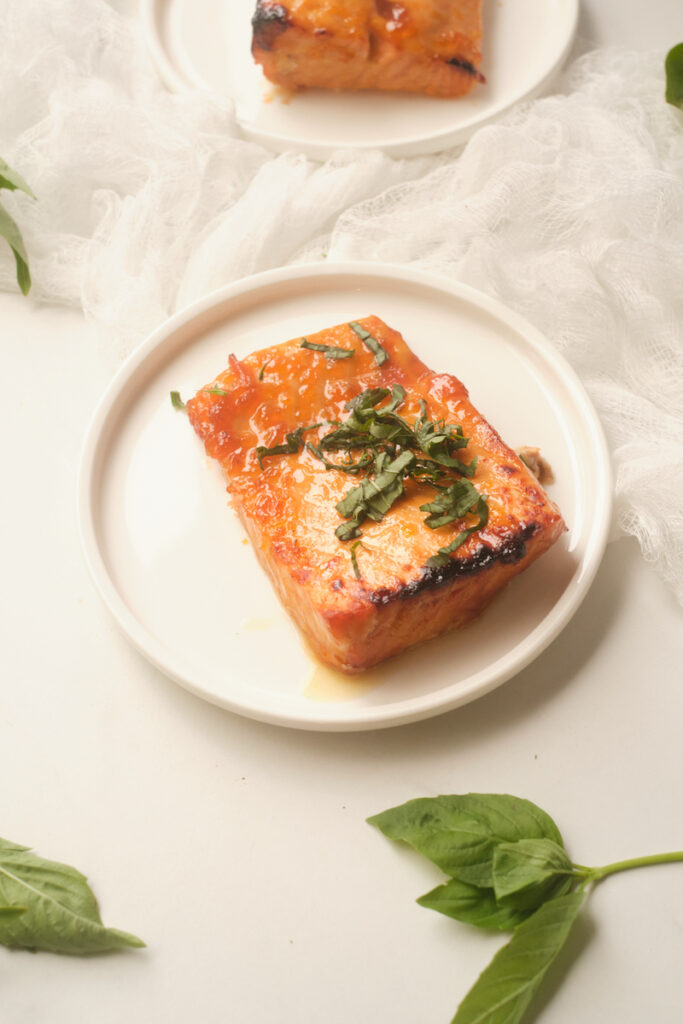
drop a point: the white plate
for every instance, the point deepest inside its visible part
(207, 44)
(171, 560)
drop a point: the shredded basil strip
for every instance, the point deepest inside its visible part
(176, 401)
(260, 373)
(374, 496)
(452, 503)
(292, 443)
(354, 559)
(442, 557)
(381, 355)
(214, 391)
(329, 351)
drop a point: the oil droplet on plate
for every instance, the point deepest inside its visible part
(256, 625)
(328, 684)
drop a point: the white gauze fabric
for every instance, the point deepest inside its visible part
(570, 211)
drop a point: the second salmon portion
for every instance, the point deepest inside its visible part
(424, 46)
(384, 507)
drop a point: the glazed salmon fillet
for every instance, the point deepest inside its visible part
(362, 587)
(424, 46)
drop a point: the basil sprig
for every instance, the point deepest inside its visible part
(509, 872)
(329, 351)
(50, 906)
(11, 180)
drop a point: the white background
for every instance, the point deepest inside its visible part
(239, 851)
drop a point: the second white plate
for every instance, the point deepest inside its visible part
(207, 44)
(171, 559)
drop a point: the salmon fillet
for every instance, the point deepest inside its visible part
(360, 600)
(425, 46)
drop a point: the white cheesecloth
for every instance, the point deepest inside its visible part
(570, 211)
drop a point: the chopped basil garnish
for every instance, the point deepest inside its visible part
(214, 391)
(374, 496)
(442, 557)
(260, 373)
(385, 450)
(452, 503)
(293, 441)
(176, 401)
(381, 355)
(329, 351)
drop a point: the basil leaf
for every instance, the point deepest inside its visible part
(381, 355)
(673, 68)
(262, 370)
(452, 503)
(505, 988)
(374, 496)
(329, 351)
(61, 914)
(362, 406)
(472, 905)
(292, 443)
(176, 401)
(442, 557)
(531, 871)
(460, 833)
(11, 179)
(10, 232)
(214, 391)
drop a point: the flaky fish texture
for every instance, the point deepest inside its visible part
(288, 504)
(423, 46)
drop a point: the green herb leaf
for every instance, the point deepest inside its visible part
(10, 232)
(293, 442)
(329, 351)
(452, 503)
(11, 179)
(460, 833)
(354, 559)
(61, 914)
(213, 391)
(442, 557)
(177, 402)
(381, 355)
(673, 68)
(374, 496)
(472, 905)
(505, 988)
(531, 871)
(261, 371)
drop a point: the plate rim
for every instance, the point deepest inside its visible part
(419, 145)
(366, 718)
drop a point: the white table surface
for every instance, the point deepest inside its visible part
(239, 851)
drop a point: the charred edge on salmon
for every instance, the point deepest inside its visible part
(512, 551)
(468, 66)
(269, 22)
